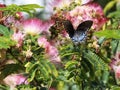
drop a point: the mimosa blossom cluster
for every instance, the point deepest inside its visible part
(90, 11)
(32, 27)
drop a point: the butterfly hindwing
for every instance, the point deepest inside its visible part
(69, 28)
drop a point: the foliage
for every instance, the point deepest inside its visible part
(5, 40)
(89, 65)
(114, 34)
(13, 9)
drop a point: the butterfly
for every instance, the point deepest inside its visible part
(79, 35)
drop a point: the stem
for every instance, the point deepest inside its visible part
(82, 86)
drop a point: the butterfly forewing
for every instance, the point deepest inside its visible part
(84, 26)
(69, 28)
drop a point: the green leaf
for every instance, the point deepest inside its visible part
(114, 34)
(13, 8)
(31, 5)
(31, 66)
(54, 70)
(118, 5)
(105, 77)
(109, 6)
(43, 71)
(6, 42)
(115, 88)
(115, 46)
(98, 63)
(88, 66)
(32, 75)
(46, 65)
(115, 14)
(70, 64)
(10, 68)
(2, 87)
(5, 39)
(5, 32)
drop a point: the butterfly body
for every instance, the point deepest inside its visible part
(79, 35)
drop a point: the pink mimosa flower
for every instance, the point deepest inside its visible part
(45, 26)
(117, 74)
(115, 61)
(42, 42)
(15, 79)
(117, 71)
(51, 4)
(36, 26)
(64, 3)
(85, 1)
(32, 26)
(115, 66)
(112, 63)
(18, 37)
(51, 51)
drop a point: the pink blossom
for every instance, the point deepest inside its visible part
(36, 26)
(9, 21)
(32, 26)
(46, 26)
(51, 51)
(112, 63)
(18, 37)
(117, 74)
(54, 3)
(90, 11)
(51, 4)
(64, 3)
(85, 1)
(115, 61)
(115, 66)
(15, 79)
(42, 41)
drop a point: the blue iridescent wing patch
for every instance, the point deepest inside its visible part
(79, 35)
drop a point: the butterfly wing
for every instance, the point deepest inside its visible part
(84, 26)
(69, 28)
(80, 33)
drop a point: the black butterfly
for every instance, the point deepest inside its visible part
(79, 35)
